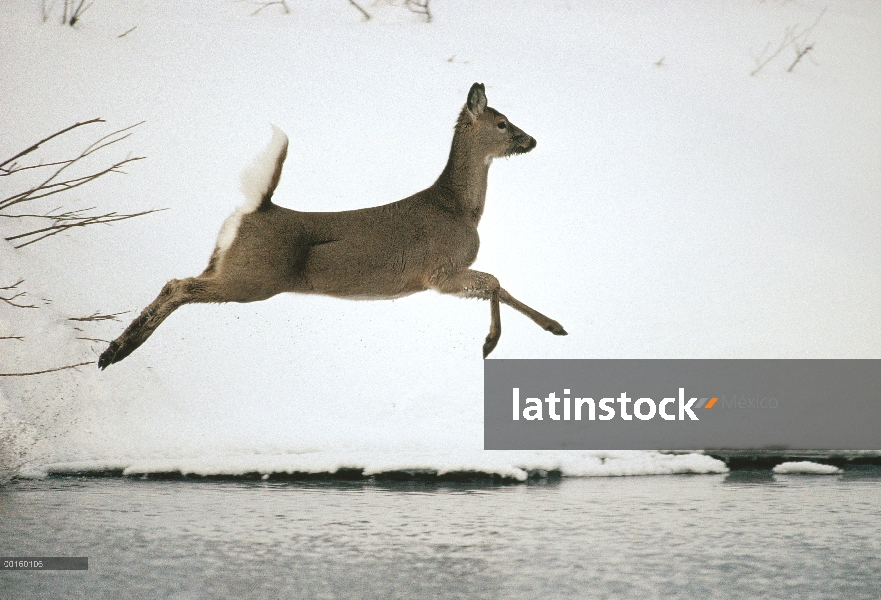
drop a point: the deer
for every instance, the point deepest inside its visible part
(425, 241)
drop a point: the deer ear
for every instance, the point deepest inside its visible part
(477, 99)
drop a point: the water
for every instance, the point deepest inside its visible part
(742, 535)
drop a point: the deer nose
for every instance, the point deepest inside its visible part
(527, 143)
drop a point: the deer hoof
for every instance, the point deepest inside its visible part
(555, 328)
(108, 357)
(489, 345)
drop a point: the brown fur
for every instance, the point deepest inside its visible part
(425, 241)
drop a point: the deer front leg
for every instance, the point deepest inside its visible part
(542, 321)
(476, 284)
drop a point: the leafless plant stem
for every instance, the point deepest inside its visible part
(363, 12)
(55, 182)
(30, 149)
(97, 316)
(792, 38)
(799, 55)
(268, 3)
(419, 7)
(82, 364)
(78, 12)
(15, 294)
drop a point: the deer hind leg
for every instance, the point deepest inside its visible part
(174, 294)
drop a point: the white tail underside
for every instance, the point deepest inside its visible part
(256, 182)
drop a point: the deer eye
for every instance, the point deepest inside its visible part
(501, 125)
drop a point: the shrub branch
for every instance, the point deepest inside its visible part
(57, 179)
(13, 289)
(792, 38)
(47, 370)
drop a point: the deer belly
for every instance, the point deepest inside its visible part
(332, 270)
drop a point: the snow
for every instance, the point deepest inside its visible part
(511, 465)
(675, 207)
(806, 467)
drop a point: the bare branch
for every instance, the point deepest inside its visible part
(47, 370)
(268, 3)
(12, 337)
(363, 12)
(71, 11)
(122, 35)
(46, 188)
(97, 316)
(13, 286)
(419, 7)
(56, 220)
(78, 12)
(800, 53)
(46, 139)
(791, 38)
(10, 300)
(46, 10)
(14, 168)
(63, 223)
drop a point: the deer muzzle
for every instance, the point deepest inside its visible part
(523, 143)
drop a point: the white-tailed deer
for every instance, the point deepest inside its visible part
(426, 241)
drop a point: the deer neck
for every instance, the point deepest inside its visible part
(462, 184)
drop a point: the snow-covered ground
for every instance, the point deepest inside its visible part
(675, 207)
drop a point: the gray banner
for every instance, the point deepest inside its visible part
(44, 563)
(682, 404)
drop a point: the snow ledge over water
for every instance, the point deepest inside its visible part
(516, 465)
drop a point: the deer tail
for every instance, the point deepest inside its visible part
(259, 181)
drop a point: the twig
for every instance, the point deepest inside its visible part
(14, 288)
(47, 370)
(66, 221)
(94, 340)
(53, 183)
(363, 12)
(268, 3)
(47, 184)
(78, 12)
(69, 14)
(122, 35)
(47, 188)
(799, 55)
(12, 337)
(46, 139)
(419, 7)
(97, 316)
(263, 4)
(790, 38)
(46, 10)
